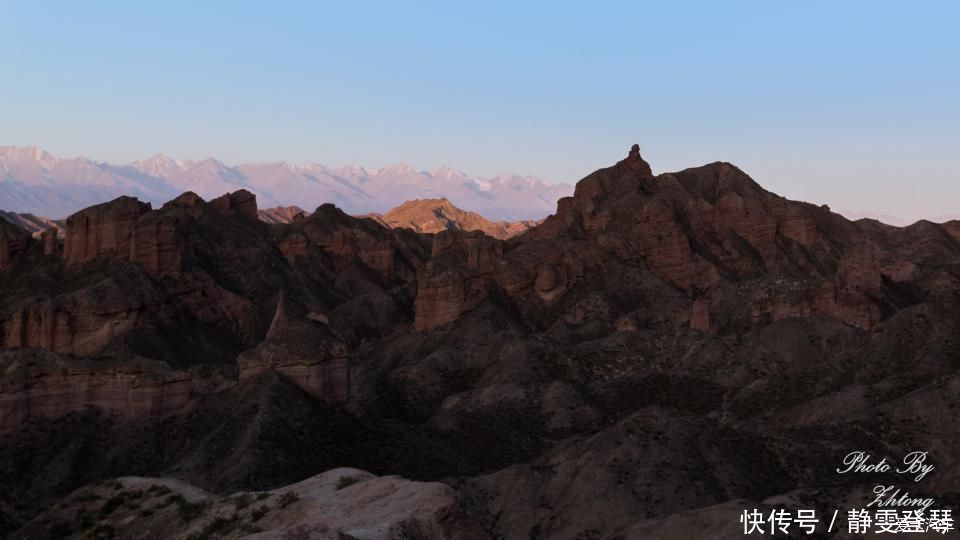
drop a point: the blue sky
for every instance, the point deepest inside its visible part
(850, 103)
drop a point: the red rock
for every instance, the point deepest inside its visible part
(14, 241)
(159, 244)
(700, 315)
(304, 351)
(51, 244)
(127, 229)
(38, 383)
(104, 230)
(187, 200)
(437, 215)
(636, 163)
(455, 279)
(701, 230)
(341, 239)
(241, 202)
(590, 325)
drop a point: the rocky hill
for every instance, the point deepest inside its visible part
(658, 355)
(436, 215)
(420, 215)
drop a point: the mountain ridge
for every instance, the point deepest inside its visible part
(37, 182)
(421, 215)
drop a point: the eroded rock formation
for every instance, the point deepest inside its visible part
(14, 241)
(436, 215)
(241, 202)
(665, 347)
(708, 231)
(41, 383)
(457, 277)
(306, 351)
(105, 230)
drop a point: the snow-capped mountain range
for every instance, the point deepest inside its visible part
(35, 181)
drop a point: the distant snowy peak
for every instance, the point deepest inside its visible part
(159, 165)
(29, 153)
(447, 173)
(38, 182)
(398, 169)
(207, 165)
(352, 171)
(12, 158)
(520, 181)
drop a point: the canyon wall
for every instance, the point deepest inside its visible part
(41, 383)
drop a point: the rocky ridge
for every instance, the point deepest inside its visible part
(38, 182)
(437, 215)
(421, 215)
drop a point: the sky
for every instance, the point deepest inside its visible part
(854, 104)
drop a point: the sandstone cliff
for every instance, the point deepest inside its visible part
(305, 350)
(105, 230)
(40, 383)
(14, 241)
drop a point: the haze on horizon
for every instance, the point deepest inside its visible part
(851, 104)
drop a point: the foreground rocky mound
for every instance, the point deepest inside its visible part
(340, 503)
(661, 353)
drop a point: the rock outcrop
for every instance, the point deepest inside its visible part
(94, 309)
(14, 241)
(105, 230)
(340, 503)
(457, 277)
(241, 202)
(39, 383)
(127, 229)
(707, 231)
(304, 350)
(51, 242)
(134, 274)
(339, 240)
